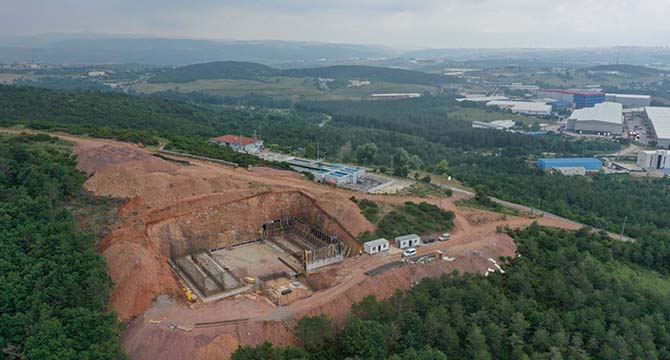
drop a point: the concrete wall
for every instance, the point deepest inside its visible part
(593, 126)
(237, 221)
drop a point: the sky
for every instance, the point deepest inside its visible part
(405, 24)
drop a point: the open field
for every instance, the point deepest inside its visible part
(281, 88)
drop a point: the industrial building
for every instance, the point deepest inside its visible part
(375, 246)
(329, 173)
(570, 171)
(395, 96)
(580, 99)
(407, 241)
(653, 159)
(523, 107)
(590, 165)
(482, 99)
(659, 123)
(495, 124)
(602, 119)
(629, 100)
(240, 143)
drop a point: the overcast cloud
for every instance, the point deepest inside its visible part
(406, 24)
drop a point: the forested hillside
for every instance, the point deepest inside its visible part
(53, 283)
(411, 134)
(571, 295)
(214, 70)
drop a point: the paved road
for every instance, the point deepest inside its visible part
(535, 211)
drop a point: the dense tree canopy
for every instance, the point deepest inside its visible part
(571, 295)
(53, 284)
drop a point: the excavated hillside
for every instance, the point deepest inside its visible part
(170, 202)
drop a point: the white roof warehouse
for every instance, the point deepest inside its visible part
(659, 119)
(523, 107)
(603, 119)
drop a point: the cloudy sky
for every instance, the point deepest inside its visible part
(397, 23)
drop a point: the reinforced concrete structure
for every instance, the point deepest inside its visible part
(312, 247)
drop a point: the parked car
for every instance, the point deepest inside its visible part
(428, 240)
(444, 237)
(409, 252)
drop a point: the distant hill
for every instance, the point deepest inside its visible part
(175, 52)
(627, 69)
(215, 70)
(252, 71)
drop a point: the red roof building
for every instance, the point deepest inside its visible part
(240, 143)
(237, 140)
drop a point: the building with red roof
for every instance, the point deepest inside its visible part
(240, 143)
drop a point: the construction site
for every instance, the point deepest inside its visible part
(259, 249)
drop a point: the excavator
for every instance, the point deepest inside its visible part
(190, 296)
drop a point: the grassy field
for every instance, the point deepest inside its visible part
(472, 114)
(281, 88)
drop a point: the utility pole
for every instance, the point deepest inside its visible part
(623, 226)
(317, 151)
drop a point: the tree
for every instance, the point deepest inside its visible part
(442, 167)
(345, 152)
(314, 331)
(268, 351)
(425, 353)
(426, 179)
(482, 195)
(477, 344)
(401, 163)
(364, 339)
(366, 153)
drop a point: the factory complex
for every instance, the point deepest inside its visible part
(602, 119)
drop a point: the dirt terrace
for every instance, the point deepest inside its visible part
(170, 201)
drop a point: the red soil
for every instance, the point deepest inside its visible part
(165, 198)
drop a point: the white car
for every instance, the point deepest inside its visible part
(444, 237)
(409, 252)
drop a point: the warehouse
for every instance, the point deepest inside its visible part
(494, 125)
(581, 99)
(590, 165)
(629, 100)
(482, 99)
(602, 119)
(653, 159)
(659, 123)
(523, 107)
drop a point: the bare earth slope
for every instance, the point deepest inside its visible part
(169, 201)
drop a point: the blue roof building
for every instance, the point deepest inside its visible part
(590, 164)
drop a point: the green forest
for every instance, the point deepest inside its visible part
(254, 71)
(571, 295)
(53, 283)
